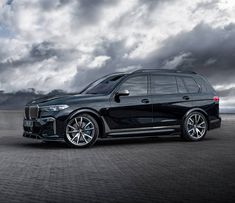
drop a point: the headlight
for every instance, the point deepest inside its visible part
(54, 107)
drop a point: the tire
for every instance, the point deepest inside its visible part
(194, 127)
(81, 131)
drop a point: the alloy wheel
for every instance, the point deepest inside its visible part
(80, 131)
(196, 126)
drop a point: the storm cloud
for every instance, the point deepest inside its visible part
(62, 44)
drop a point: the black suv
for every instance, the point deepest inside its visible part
(143, 102)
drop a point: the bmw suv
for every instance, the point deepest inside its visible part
(142, 102)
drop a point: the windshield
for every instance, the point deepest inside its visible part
(104, 85)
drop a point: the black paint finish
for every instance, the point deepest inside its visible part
(142, 111)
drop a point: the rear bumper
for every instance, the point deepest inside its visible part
(42, 128)
(215, 123)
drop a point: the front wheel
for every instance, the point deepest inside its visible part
(194, 127)
(81, 131)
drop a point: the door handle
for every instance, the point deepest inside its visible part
(145, 101)
(186, 97)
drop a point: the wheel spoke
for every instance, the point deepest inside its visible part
(197, 118)
(201, 127)
(198, 132)
(74, 131)
(76, 122)
(84, 138)
(87, 124)
(191, 130)
(78, 138)
(191, 121)
(72, 127)
(75, 136)
(201, 123)
(81, 120)
(87, 135)
(89, 129)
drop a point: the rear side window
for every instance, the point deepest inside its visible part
(191, 85)
(163, 84)
(205, 86)
(137, 86)
(181, 86)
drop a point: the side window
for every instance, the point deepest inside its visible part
(205, 88)
(163, 84)
(136, 85)
(181, 86)
(191, 85)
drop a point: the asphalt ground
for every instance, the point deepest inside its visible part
(159, 169)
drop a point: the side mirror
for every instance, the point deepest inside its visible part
(123, 93)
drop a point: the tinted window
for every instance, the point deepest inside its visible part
(181, 86)
(135, 85)
(163, 84)
(191, 85)
(103, 86)
(205, 86)
(202, 84)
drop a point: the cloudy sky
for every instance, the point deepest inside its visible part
(64, 44)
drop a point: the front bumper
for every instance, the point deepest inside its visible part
(41, 128)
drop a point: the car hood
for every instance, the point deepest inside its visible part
(60, 99)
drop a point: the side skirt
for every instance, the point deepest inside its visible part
(141, 131)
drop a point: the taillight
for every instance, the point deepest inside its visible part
(216, 99)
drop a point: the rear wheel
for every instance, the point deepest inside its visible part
(194, 127)
(81, 131)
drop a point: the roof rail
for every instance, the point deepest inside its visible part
(163, 71)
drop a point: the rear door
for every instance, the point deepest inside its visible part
(193, 89)
(170, 99)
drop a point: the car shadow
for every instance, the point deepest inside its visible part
(111, 142)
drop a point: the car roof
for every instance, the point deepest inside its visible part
(160, 71)
(163, 71)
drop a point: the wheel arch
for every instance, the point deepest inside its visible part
(92, 113)
(198, 110)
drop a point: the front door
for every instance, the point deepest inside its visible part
(133, 111)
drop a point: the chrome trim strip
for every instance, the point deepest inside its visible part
(54, 126)
(145, 128)
(141, 132)
(169, 120)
